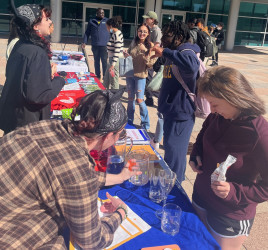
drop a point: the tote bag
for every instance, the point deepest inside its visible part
(156, 82)
(126, 67)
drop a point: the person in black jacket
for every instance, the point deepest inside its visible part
(218, 33)
(30, 83)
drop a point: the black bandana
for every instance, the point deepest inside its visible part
(114, 116)
(28, 12)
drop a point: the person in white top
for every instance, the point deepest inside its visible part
(115, 50)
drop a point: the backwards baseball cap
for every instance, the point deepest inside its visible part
(150, 14)
(27, 13)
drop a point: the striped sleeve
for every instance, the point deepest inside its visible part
(115, 46)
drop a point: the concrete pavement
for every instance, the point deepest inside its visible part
(253, 63)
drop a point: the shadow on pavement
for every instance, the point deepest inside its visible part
(245, 50)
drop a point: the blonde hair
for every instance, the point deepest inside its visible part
(229, 84)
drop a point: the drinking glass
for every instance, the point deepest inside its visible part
(167, 184)
(156, 190)
(117, 155)
(141, 159)
(170, 221)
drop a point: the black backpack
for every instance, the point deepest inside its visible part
(205, 43)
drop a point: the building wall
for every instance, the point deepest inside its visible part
(252, 26)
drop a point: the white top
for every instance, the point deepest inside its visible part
(10, 46)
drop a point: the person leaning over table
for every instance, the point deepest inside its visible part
(236, 127)
(30, 83)
(48, 179)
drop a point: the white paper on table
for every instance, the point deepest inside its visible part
(56, 112)
(72, 86)
(139, 136)
(131, 227)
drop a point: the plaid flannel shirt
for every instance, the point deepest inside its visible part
(47, 179)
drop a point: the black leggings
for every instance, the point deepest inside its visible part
(216, 57)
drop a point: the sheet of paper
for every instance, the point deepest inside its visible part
(130, 228)
(137, 136)
(72, 86)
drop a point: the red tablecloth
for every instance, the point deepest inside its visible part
(71, 98)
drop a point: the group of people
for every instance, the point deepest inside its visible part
(202, 35)
(48, 179)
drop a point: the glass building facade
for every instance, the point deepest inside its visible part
(252, 25)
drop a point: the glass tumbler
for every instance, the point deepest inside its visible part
(170, 221)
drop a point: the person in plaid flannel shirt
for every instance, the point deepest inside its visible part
(48, 181)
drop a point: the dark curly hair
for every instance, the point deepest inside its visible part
(115, 22)
(147, 42)
(179, 30)
(28, 34)
(13, 31)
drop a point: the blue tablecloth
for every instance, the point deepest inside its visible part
(193, 234)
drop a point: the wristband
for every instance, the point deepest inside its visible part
(124, 208)
(119, 215)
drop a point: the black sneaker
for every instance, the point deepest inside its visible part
(213, 64)
(149, 102)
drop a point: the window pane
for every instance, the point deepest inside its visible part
(127, 14)
(141, 13)
(130, 2)
(4, 23)
(199, 5)
(246, 9)
(258, 25)
(72, 10)
(71, 28)
(245, 38)
(117, 2)
(128, 31)
(219, 6)
(266, 40)
(251, 24)
(166, 18)
(4, 6)
(176, 4)
(194, 15)
(260, 10)
(243, 24)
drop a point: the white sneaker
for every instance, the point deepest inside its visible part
(154, 144)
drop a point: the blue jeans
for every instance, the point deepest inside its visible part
(100, 53)
(159, 128)
(176, 139)
(136, 86)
